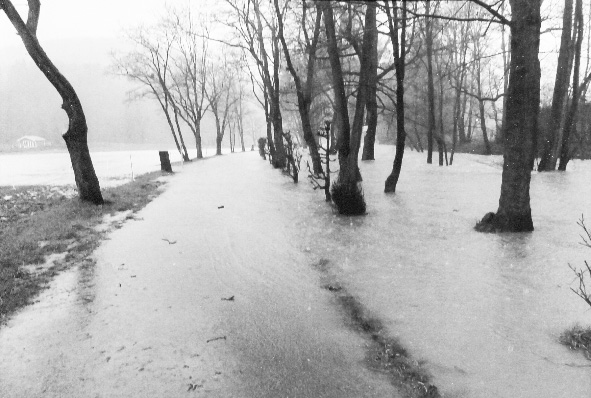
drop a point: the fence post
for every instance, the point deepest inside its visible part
(165, 162)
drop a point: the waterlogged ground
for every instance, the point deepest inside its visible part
(54, 168)
(483, 312)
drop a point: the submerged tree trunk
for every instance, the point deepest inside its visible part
(399, 47)
(570, 122)
(523, 104)
(76, 135)
(548, 160)
(346, 192)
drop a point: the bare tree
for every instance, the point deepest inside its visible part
(259, 38)
(346, 193)
(523, 105)
(76, 135)
(570, 122)
(221, 97)
(430, 84)
(563, 70)
(303, 90)
(398, 24)
(191, 71)
(150, 64)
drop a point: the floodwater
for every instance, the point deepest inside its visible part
(483, 312)
(54, 168)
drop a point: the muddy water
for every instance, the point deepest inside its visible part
(483, 311)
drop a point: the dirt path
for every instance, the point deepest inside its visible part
(207, 293)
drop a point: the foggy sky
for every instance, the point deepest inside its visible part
(80, 37)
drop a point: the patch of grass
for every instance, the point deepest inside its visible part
(578, 338)
(37, 221)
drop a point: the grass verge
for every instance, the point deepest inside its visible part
(37, 222)
(384, 354)
(578, 338)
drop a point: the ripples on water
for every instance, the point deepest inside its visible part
(484, 310)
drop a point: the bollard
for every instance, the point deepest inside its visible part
(165, 162)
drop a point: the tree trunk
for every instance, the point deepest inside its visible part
(487, 148)
(506, 61)
(570, 123)
(468, 136)
(198, 143)
(178, 128)
(304, 96)
(523, 104)
(548, 160)
(462, 121)
(76, 135)
(399, 47)
(219, 135)
(280, 159)
(218, 144)
(442, 148)
(372, 105)
(430, 84)
(346, 193)
(270, 142)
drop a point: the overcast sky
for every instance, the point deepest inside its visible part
(84, 18)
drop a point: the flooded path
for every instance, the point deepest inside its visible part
(213, 287)
(202, 295)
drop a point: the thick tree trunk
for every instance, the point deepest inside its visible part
(514, 212)
(279, 159)
(548, 160)
(340, 100)
(76, 135)
(218, 144)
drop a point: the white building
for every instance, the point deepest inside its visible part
(32, 141)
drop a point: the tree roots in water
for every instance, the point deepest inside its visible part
(348, 197)
(492, 222)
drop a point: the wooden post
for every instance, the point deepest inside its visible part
(165, 162)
